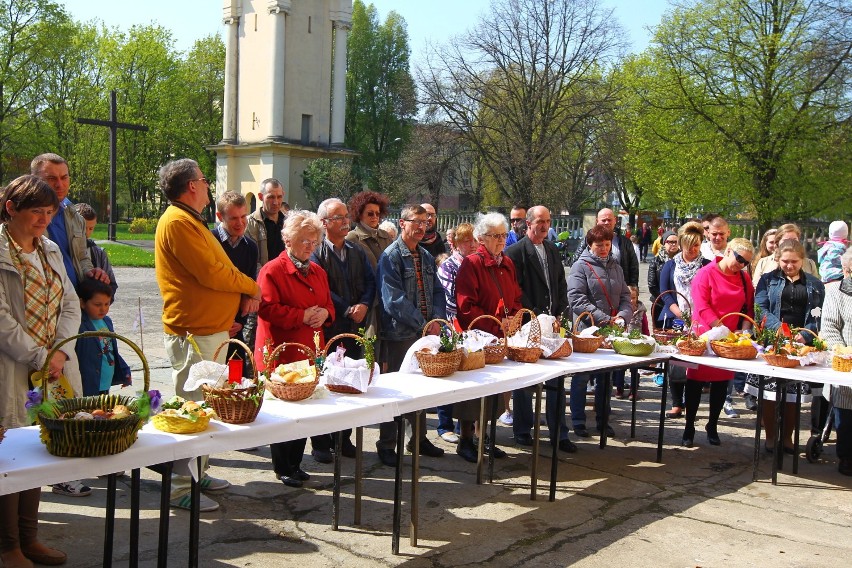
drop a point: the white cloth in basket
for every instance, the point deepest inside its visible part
(349, 372)
(410, 364)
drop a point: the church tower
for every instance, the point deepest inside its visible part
(285, 92)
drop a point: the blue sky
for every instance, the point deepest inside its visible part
(433, 20)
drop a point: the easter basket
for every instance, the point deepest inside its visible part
(666, 336)
(625, 346)
(232, 405)
(440, 364)
(731, 350)
(349, 380)
(495, 352)
(290, 391)
(531, 352)
(65, 436)
(182, 423)
(585, 344)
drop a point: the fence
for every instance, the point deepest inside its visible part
(571, 223)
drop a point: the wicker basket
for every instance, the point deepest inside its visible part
(236, 406)
(344, 389)
(175, 424)
(563, 351)
(472, 361)
(66, 437)
(692, 346)
(585, 344)
(291, 391)
(532, 352)
(627, 347)
(731, 351)
(494, 352)
(841, 364)
(666, 335)
(780, 360)
(438, 364)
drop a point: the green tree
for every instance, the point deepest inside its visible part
(380, 92)
(324, 178)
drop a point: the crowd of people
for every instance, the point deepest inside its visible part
(291, 276)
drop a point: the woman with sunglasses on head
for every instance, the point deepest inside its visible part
(723, 286)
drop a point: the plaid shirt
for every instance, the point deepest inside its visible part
(42, 294)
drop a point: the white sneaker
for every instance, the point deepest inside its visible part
(206, 504)
(450, 437)
(209, 483)
(729, 410)
(506, 418)
(72, 489)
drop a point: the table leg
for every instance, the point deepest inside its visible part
(761, 383)
(165, 471)
(109, 529)
(536, 436)
(135, 486)
(557, 436)
(663, 397)
(607, 396)
(397, 484)
(359, 471)
(195, 516)
(335, 488)
(415, 479)
(796, 431)
(634, 388)
(480, 450)
(493, 436)
(778, 461)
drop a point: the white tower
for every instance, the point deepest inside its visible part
(285, 91)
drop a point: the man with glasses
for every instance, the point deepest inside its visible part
(353, 287)
(432, 240)
(201, 290)
(622, 249)
(544, 290)
(411, 295)
(518, 219)
(717, 237)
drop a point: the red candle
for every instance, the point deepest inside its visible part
(235, 370)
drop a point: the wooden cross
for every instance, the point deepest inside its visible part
(113, 126)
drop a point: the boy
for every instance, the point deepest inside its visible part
(101, 366)
(99, 255)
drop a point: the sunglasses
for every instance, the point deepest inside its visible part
(739, 258)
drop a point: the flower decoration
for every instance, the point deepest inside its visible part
(36, 405)
(149, 403)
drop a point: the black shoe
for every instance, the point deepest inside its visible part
(769, 448)
(290, 481)
(610, 433)
(467, 450)
(322, 456)
(523, 439)
(789, 451)
(688, 436)
(491, 448)
(427, 448)
(712, 436)
(845, 467)
(300, 475)
(347, 449)
(387, 457)
(675, 412)
(686, 442)
(581, 432)
(567, 446)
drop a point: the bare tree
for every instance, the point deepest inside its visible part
(512, 84)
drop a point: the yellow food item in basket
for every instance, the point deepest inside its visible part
(843, 349)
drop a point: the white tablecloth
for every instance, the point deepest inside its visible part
(812, 373)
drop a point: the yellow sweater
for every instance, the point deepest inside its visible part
(199, 284)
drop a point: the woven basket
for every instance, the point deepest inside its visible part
(66, 437)
(626, 347)
(344, 389)
(438, 364)
(585, 344)
(180, 424)
(692, 346)
(563, 351)
(532, 352)
(291, 391)
(841, 364)
(666, 335)
(472, 361)
(494, 352)
(236, 406)
(731, 351)
(780, 361)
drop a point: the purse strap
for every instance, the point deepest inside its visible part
(496, 283)
(612, 311)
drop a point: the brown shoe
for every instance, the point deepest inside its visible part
(41, 554)
(15, 559)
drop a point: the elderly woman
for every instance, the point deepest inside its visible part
(485, 284)
(837, 330)
(38, 309)
(295, 305)
(787, 295)
(596, 285)
(718, 289)
(677, 274)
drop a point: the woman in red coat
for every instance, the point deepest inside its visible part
(485, 284)
(295, 303)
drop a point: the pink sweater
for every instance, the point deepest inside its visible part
(715, 294)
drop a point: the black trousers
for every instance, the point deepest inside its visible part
(287, 456)
(718, 392)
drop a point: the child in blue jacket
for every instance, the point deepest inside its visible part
(101, 366)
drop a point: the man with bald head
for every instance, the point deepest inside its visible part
(544, 290)
(622, 248)
(432, 240)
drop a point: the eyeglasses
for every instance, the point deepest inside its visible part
(671, 242)
(706, 227)
(430, 215)
(417, 222)
(312, 244)
(739, 258)
(371, 213)
(204, 179)
(498, 236)
(337, 218)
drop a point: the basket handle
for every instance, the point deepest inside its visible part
(273, 355)
(45, 373)
(753, 323)
(486, 316)
(335, 338)
(580, 316)
(431, 321)
(534, 338)
(658, 298)
(245, 348)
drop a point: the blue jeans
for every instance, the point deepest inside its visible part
(578, 399)
(843, 429)
(445, 419)
(523, 417)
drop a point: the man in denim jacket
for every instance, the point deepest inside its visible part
(411, 295)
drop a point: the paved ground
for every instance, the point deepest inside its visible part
(614, 507)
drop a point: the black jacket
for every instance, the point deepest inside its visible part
(532, 281)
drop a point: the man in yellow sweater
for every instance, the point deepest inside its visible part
(202, 291)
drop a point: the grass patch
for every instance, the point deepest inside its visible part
(126, 255)
(121, 233)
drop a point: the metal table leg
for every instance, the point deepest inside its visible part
(359, 477)
(335, 491)
(109, 529)
(397, 484)
(761, 383)
(415, 478)
(135, 486)
(606, 402)
(778, 461)
(796, 432)
(634, 388)
(663, 396)
(480, 450)
(536, 436)
(493, 437)
(165, 471)
(557, 436)
(195, 516)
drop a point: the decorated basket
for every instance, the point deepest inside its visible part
(842, 364)
(666, 335)
(564, 350)
(731, 351)
(634, 349)
(495, 352)
(236, 406)
(66, 437)
(175, 424)
(585, 344)
(291, 392)
(438, 364)
(692, 346)
(341, 384)
(780, 360)
(532, 351)
(471, 361)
